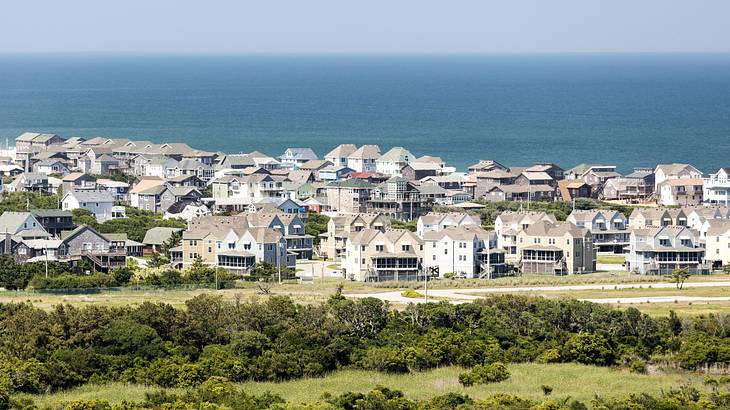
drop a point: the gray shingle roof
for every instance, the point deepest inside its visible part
(92, 196)
(158, 235)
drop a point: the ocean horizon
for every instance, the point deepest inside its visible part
(629, 110)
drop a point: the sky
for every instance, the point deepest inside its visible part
(365, 26)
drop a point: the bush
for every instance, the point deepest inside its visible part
(410, 293)
(72, 281)
(637, 366)
(483, 374)
(385, 359)
(589, 348)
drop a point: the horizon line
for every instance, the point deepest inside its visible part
(358, 53)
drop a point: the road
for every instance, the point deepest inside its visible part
(466, 295)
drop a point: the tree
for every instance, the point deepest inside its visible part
(270, 272)
(158, 259)
(122, 275)
(315, 225)
(678, 277)
(83, 216)
(10, 275)
(589, 348)
(398, 224)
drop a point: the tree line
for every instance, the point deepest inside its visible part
(277, 339)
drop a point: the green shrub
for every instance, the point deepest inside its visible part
(410, 293)
(589, 348)
(483, 374)
(637, 366)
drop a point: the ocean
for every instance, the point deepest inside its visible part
(629, 110)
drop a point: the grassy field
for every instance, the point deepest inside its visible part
(577, 381)
(611, 259)
(322, 289)
(652, 308)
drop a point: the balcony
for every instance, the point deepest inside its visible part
(714, 182)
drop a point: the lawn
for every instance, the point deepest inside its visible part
(574, 380)
(611, 259)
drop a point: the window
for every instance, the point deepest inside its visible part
(210, 249)
(433, 257)
(405, 248)
(446, 251)
(379, 248)
(664, 242)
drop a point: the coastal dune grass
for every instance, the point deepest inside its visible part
(577, 381)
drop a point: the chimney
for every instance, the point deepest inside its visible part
(7, 243)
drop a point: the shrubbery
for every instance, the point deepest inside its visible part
(483, 374)
(220, 393)
(276, 339)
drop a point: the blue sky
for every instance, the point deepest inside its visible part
(381, 26)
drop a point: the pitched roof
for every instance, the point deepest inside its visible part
(191, 164)
(718, 227)
(342, 151)
(315, 164)
(674, 168)
(91, 196)
(351, 183)
(395, 154)
(50, 213)
(77, 175)
(366, 152)
(299, 153)
(536, 176)
(682, 182)
(146, 183)
(66, 235)
(158, 235)
(12, 222)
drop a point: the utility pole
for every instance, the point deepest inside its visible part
(425, 284)
(489, 270)
(45, 251)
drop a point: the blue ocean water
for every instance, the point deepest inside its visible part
(628, 110)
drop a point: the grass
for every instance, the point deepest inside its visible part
(577, 381)
(323, 288)
(611, 259)
(611, 292)
(334, 266)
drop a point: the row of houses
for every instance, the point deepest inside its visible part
(652, 240)
(51, 235)
(349, 179)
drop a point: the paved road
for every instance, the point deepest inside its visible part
(317, 268)
(466, 295)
